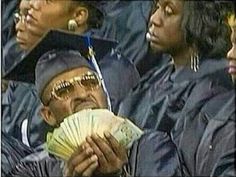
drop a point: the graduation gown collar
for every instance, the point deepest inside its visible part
(206, 67)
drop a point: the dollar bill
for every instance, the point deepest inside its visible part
(75, 128)
(126, 133)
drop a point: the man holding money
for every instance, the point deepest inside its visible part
(68, 83)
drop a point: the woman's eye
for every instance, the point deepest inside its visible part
(168, 10)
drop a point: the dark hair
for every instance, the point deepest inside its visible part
(96, 17)
(204, 25)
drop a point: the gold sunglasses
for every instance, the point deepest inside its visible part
(62, 90)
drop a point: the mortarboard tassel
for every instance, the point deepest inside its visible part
(91, 56)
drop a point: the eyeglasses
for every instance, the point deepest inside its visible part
(64, 89)
(19, 17)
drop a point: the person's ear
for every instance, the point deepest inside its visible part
(48, 116)
(81, 15)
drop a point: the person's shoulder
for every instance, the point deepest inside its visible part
(221, 107)
(117, 64)
(43, 168)
(154, 136)
(155, 76)
(12, 151)
(155, 154)
(215, 70)
(116, 57)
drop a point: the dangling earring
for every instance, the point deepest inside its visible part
(72, 25)
(194, 59)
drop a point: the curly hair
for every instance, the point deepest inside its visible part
(204, 26)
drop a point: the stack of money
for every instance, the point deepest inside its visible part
(63, 141)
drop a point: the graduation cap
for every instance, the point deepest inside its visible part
(50, 45)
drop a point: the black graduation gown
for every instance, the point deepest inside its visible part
(127, 23)
(205, 138)
(154, 154)
(161, 96)
(164, 97)
(120, 76)
(7, 10)
(20, 106)
(132, 34)
(48, 167)
(12, 151)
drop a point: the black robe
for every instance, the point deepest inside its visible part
(12, 151)
(172, 101)
(205, 138)
(162, 95)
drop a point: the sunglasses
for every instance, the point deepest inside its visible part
(62, 90)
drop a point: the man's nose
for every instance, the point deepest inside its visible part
(80, 92)
(231, 55)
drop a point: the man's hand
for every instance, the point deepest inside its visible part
(111, 155)
(82, 163)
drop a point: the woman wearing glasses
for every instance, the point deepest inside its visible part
(20, 104)
(19, 19)
(22, 34)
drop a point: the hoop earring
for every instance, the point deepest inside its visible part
(72, 25)
(194, 59)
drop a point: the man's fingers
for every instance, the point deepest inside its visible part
(80, 168)
(89, 171)
(83, 155)
(105, 148)
(68, 172)
(119, 150)
(101, 158)
(79, 155)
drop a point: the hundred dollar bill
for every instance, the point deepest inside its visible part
(126, 133)
(75, 128)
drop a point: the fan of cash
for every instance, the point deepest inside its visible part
(63, 141)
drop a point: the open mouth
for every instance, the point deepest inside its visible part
(21, 41)
(85, 105)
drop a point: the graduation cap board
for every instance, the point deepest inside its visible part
(24, 70)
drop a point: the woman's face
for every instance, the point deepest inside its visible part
(165, 26)
(47, 14)
(22, 36)
(232, 52)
